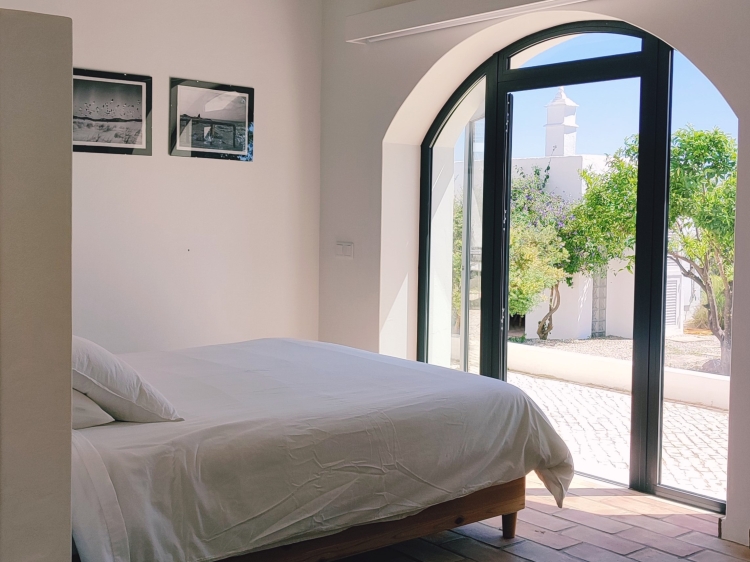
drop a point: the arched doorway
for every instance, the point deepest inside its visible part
(484, 263)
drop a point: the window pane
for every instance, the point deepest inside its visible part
(456, 237)
(699, 281)
(575, 47)
(571, 293)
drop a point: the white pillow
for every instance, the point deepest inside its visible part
(116, 386)
(86, 412)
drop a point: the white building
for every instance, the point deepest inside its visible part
(602, 306)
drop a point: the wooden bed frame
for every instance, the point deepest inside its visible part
(506, 500)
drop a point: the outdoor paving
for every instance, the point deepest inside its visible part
(595, 424)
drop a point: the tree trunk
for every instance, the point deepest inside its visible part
(725, 367)
(545, 325)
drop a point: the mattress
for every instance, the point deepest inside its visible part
(287, 440)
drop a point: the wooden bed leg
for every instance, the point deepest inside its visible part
(509, 525)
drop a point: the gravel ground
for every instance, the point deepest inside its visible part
(685, 351)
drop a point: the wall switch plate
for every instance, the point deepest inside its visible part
(345, 250)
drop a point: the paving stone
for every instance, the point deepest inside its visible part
(595, 424)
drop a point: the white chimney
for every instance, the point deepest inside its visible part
(561, 125)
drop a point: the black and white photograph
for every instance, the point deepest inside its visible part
(211, 120)
(111, 112)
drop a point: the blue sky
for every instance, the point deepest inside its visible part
(608, 111)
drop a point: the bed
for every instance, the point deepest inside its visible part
(293, 450)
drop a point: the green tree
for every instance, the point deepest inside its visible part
(703, 193)
(458, 248)
(537, 252)
(703, 190)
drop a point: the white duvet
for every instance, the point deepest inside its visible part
(287, 440)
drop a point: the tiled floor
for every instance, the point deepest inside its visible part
(599, 523)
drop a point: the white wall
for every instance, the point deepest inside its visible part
(389, 92)
(173, 252)
(35, 234)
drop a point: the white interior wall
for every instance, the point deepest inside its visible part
(174, 252)
(386, 94)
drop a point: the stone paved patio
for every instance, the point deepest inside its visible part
(595, 423)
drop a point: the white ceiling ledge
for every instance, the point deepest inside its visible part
(421, 16)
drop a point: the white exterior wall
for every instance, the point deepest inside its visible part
(572, 321)
(620, 300)
(441, 256)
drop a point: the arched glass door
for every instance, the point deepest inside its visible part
(554, 264)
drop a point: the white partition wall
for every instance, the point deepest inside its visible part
(35, 288)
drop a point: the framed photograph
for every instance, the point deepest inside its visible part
(209, 120)
(111, 112)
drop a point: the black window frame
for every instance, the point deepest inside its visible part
(653, 66)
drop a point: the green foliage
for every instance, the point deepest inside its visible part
(537, 253)
(458, 245)
(703, 191)
(602, 226)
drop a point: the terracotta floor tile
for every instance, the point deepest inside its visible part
(479, 552)
(712, 556)
(659, 542)
(597, 507)
(485, 533)
(661, 526)
(549, 522)
(651, 555)
(613, 543)
(592, 553)
(538, 553)
(543, 536)
(426, 552)
(715, 543)
(545, 504)
(444, 536)
(598, 522)
(695, 523)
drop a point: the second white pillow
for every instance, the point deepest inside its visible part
(116, 387)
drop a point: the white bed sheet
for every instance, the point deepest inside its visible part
(286, 440)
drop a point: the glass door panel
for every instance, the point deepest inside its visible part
(698, 291)
(573, 191)
(456, 236)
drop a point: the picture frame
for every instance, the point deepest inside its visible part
(210, 120)
(111, 112)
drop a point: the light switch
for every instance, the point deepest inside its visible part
(345, 250)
